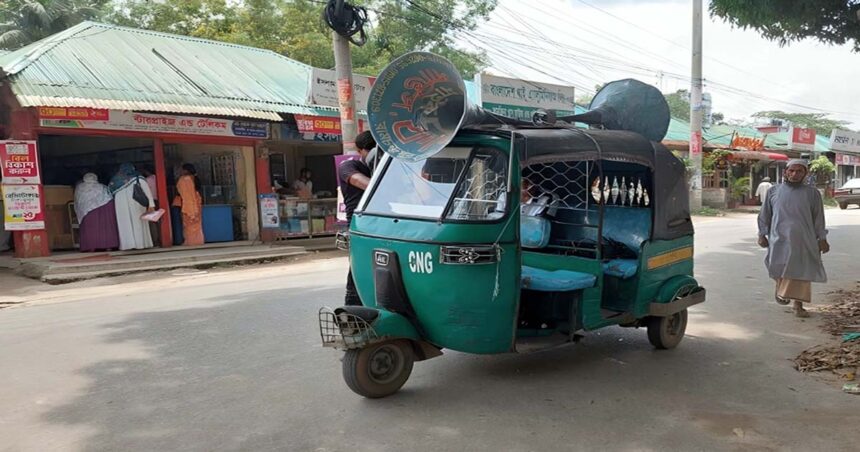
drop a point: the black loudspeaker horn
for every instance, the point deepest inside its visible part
(417, 105)
(628, 105)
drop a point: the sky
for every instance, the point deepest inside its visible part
(587, 42)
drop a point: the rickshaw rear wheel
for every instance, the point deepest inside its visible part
(378, 370)
(666, 332)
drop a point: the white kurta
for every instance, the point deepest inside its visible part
(133, 232)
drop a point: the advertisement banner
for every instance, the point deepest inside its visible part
(330, 125)
(22, 208)
(160, 123)
(269, 214)
(801, 139)
(20, 162)
(341, 207)
(92, 114)
(844, 140)
(847, 159)
(747, 143)
(324, 89)
(520, 98)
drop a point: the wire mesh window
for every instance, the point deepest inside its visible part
(556, 185)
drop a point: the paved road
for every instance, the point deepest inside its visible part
(230, 360)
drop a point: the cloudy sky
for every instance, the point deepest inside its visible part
(586, 42)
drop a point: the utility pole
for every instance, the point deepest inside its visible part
(345, 97)
(696, 109)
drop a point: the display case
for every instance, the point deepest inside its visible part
(307, 217)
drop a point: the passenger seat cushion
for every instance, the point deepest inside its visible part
(628, 225)
(534, 231)
(555, 280)
(621, 268)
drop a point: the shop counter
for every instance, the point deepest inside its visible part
(307, 217)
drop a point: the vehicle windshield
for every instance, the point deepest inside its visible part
(471, 181)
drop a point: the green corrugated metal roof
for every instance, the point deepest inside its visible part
(105, 66)
(721, 136)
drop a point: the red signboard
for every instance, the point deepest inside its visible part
(92, 114)
(802, 139)
(321, 124)
(318, 124)
(20, 162)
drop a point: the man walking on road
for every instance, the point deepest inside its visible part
(354, 177)
(762, 190)
(791, 226)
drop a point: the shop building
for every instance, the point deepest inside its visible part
(95, 96)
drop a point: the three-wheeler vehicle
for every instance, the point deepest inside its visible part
(484, 234)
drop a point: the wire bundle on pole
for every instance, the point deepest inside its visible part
(346, 20)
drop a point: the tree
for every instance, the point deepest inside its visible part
(829, 21)
(26, 21)
(294, 27)
(679, 104)
(717, 117)
(818, 121)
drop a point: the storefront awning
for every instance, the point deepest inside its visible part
(759, 155)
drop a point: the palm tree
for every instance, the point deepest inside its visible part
(26, 21)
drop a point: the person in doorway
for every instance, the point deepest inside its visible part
(190, 202)
(762, 189)
(96, 212)
(133, 231)
(354, 177)
(304, 186)
(791, 226)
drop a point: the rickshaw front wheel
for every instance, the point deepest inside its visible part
(378, 370)
(666, 332)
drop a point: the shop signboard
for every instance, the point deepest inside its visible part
(845, 141)
(269, 214)
(327, 125)
(72, 113)
(341, 207)
(323, 89)
(800, 139)
(22, 208)
(20, 162)
(131, 121)
(747, 143)
(519, 99)
(847, 159)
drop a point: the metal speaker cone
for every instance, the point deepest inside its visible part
(417, 105)
(628, 105)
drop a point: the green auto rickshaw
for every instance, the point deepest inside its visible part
(485, 234)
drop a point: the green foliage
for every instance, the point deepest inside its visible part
(740, 187)
(295, 28)
(822, 166)
(26, 21)
(819, 121)
(710, 160)
(679, 105)
(717, 118)
(829, 21)
(830, 202)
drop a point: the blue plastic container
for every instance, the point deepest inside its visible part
(217, 223)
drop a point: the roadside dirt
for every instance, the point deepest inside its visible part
(841, 357)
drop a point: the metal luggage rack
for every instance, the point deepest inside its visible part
(343, 330)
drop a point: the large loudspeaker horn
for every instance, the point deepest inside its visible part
(417, 105)
(628, 105)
